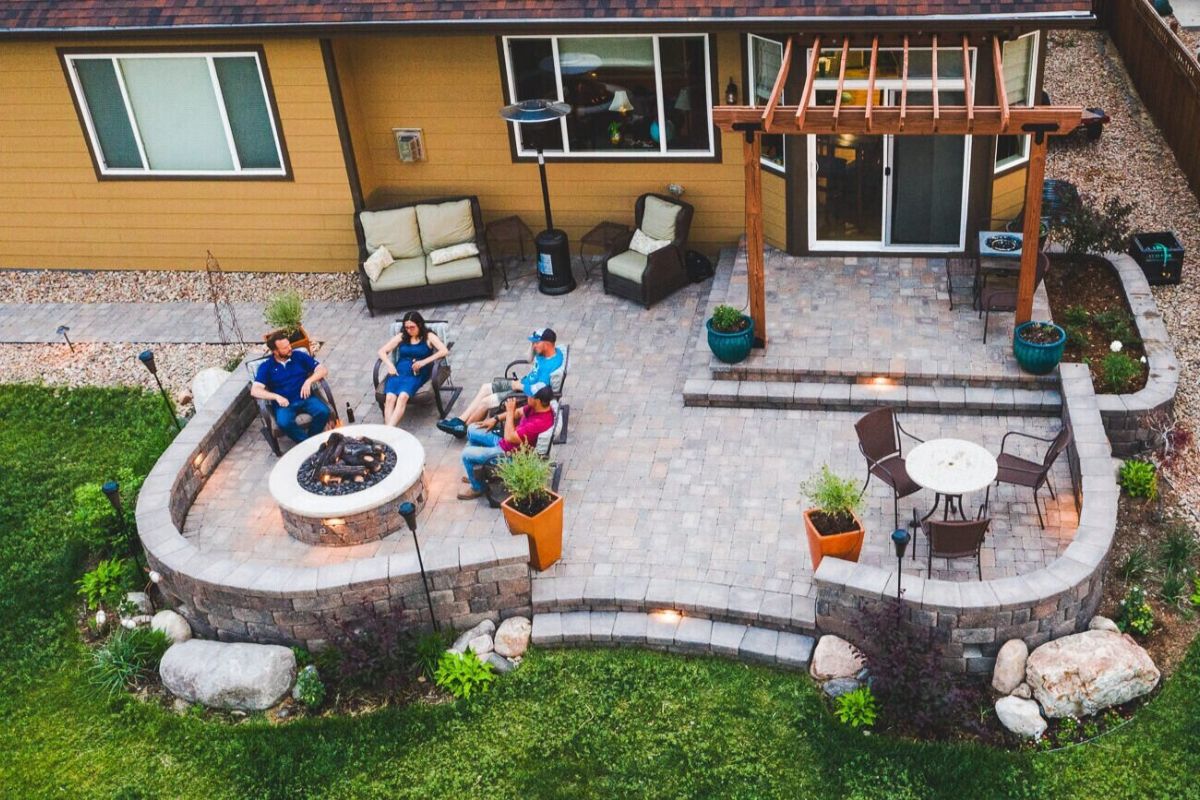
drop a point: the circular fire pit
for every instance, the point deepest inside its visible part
(362, 516)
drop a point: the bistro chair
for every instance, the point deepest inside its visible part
(954, 539)
(440, 384)
(1004, 298)
(879, 441)
(1032, 474)
(266, 408)
(647, 265)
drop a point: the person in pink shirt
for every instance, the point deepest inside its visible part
(522, 426)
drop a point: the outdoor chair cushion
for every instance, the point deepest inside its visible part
(375, 265)
(462, 269)
(453, 253)
(402, 274)
(628, 265)
(658, 219)
(641, 243)
(395, 229)
(445, 224)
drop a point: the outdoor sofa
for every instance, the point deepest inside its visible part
(419, 236)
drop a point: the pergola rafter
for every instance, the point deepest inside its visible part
(969, 119)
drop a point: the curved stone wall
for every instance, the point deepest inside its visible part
(265, 602)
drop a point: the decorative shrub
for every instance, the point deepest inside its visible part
(310, 690)
(129, 657)
(1076, 336)
(836, 497)
(464, 675)
(1195, 598)
(1139, 478)
(1174, 587)
(1178, 547)
(727, 319)
(1085, 229)
(526, 477)
(1135, 566)
(1120, 370)
(107, 584)
(1134, 613)
(429, 649)
(372, 651)
(1117, 324)
(857, 708)
(1076, 315)
(284, 311)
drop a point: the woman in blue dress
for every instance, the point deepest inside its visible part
(408, 359)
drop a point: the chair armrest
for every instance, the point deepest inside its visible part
(1004, 440)
(512, 364)
(900, 428)
(375, 373)
(620, 245)
(663, 260)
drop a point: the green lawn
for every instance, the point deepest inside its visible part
(601, 724)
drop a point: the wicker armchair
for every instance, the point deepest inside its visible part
(955, 539)
(1030, 474)
(879, 442)
(648, 279)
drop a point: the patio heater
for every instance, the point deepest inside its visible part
(147, 359)
(409, 512)
(553, 250)
(900, 539)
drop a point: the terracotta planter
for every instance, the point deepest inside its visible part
(298, 338)
(544, 530)
(841, 545)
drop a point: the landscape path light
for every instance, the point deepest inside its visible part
(409, 512)
(147, 359)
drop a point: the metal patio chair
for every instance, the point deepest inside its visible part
(266, 408)
(954, 539)
(879, 441)
(1031, 474)
(440, 383)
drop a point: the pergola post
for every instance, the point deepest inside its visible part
(756, 279)
(1032, 227)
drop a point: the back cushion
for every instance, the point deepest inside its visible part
(445, 224)
(658, 219)
(395, 229)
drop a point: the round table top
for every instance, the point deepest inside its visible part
(951, 466)
(289, 494)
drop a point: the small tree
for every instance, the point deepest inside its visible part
(1085, 229)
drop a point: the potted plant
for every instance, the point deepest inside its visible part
(1038, 346)
(283, 313)
(531, 508)
(832, 525)
(730, 334)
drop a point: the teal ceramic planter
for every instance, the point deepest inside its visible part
(1038, 359)
(731, 347)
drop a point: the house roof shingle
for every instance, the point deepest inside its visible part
(39, 16)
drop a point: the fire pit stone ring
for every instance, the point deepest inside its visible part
(349, 519)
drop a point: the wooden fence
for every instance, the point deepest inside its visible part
(1166, 74)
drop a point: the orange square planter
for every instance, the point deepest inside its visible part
(544, 531)
(846, 545)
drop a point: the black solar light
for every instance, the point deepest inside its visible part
(409, 512)
(62, 331)
(900, 540)
(147, 359)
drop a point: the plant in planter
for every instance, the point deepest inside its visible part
(1086, 229)
(730, 334)
(532, 508)
(284, 312)
(1038, 346)
(832, 525)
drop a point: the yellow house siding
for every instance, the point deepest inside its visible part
(55, 213)
(453, 88)
(774, 189)
(1008, 197)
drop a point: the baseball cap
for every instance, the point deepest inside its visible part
(543, 335)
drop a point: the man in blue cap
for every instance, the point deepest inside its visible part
(546, 359)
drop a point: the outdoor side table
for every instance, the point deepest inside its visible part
(507, 232)
(950, 468)
(602, 237)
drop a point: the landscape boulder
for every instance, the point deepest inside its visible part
(1103, 624)
(229, 675)
(834, 657)
(512, 637)
(140, 602)
(481, 646)
(1022, 717)
(485, 628)
(1010, 666)
(206, 383)
(499, 663)
(1088, 672)
(173, 625)
(840, 686)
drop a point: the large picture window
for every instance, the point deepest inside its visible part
(187, 114)
(630, 96)
(1020, 70)
(766, 59)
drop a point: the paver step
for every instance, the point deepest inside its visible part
(769, 370)
(702, 392)
(674, 632)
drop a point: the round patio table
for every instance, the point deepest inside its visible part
(950, 468)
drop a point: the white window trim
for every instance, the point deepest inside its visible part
(752, 82)
(1023, 156)
(146, 170)
(663, 152)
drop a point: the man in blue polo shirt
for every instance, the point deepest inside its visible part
(286, 379)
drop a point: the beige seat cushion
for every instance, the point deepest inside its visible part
(463, 268)
(658, 219)
(628, 265)
(403, 273)
(395, 229)
(445, 224)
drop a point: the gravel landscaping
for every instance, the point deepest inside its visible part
(131, 286)
(1133, 162)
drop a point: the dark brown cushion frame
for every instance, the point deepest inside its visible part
(665, 271)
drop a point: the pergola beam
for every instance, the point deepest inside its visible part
(841, 84)
(871, 79)
(968, 85)
(806, 95)
(917, 120)
(998, 68)
(780, 80)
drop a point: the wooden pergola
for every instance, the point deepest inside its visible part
(903, 120)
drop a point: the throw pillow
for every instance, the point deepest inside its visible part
(658, 218)
(453, 253)
(378, 261)
(641, 243)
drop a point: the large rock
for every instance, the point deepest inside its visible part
(1021, 717)
(834, 657)
(173, 625)
(1010, 666)
(248, 677)
(141, 603)
(206, 383)
(1087, 672)
(487, 627)
(481, 645)
(1103, 624)
(840, 686)
(512, 637)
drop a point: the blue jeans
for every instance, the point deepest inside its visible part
(312, 405)
(482, 447)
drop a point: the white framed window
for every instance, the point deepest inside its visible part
(1020, 73)
(645, 96)
(765, 61)
(188, 114)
